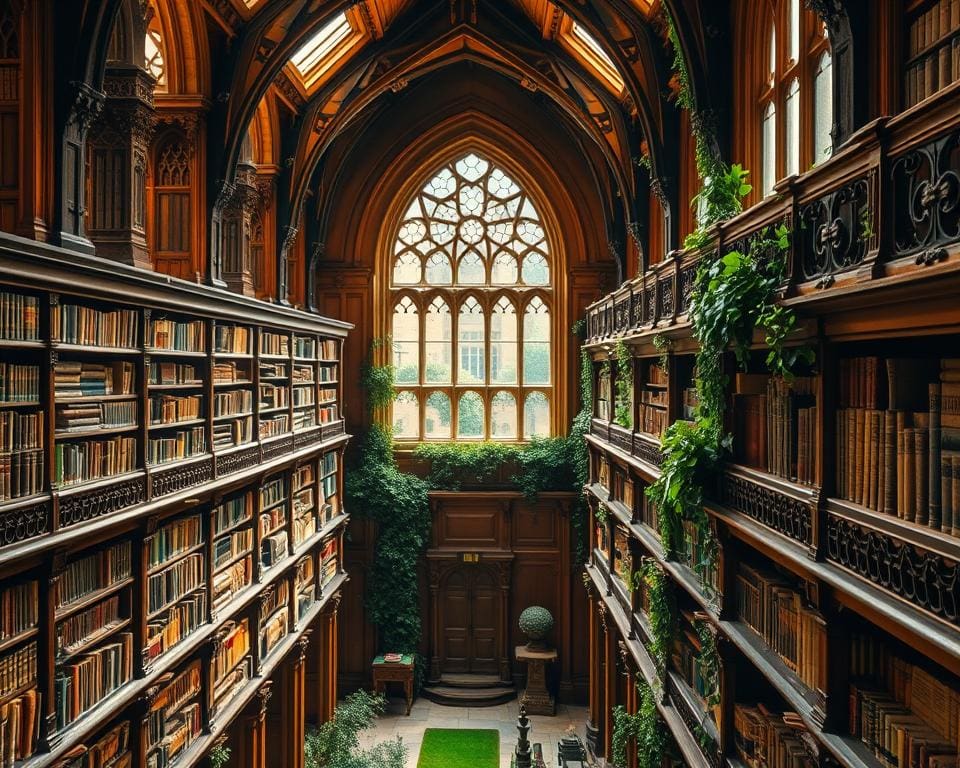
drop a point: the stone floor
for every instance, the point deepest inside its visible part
(503, 717)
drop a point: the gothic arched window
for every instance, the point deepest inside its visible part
(471, 293)
(154, 62)
(172, 238)
(795, 106)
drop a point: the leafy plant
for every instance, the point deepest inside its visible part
(663, 345)
(601, 513)
(623, 413)
(452, 463)
(709, 661)
(219, 756)
(662, 610)
(645, 727)
(335, 744)
(397, 501)
(866, 224)
(625, 727)
(377, 380)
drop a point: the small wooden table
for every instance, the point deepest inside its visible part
(536, 698)
(394, 672)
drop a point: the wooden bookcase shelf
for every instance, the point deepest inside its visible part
(153, 545)
(834, 512)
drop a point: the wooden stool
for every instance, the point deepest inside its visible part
(394, 672)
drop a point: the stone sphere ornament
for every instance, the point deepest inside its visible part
(535, 622)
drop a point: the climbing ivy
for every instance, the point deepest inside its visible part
(397, 501)
(662, 610)
(644, 727)
(625, 727)
(623, 414)
(708, 660)
(663, 345)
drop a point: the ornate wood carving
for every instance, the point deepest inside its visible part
(782, 513)
(238, 461)
(278, 447)
(708, 747)
(833, 231)
(924, 579)
(89, 505)
(926, 199)
(24, 523)
(168, 481)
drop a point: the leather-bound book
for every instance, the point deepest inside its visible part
(934, 519)
(909, 474)
(955, 491)
(946, 492)
(921, 481)
(872, 447)
(901, 504)
(859, 457)
(751, 429)
(890, 462)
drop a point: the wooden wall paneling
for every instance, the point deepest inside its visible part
(252, 749)
(595, 700)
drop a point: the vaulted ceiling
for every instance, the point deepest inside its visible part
(313, 71)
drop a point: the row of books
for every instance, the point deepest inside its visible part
(778, 614)
(178, 446)
(328, 395)
(18, 669)
(776, 425)
(173, 373)
(329, 562)
(229, 373)
(329, 413)
(303, 374)
(94, 459)
(272, 370)
(76, 630)
(231, 580)
(273, 491)
(19, 383)
(272, 426)
(21, 474)
(171, 584)
(272, 396)
(180, 336)
(231, 339)
(109, 751)
(908, 717)
(174, 624)
(20, 431)
(234, 432)
(232, 511)
(932, 41)
(20, 727)
(111, 415)
(326, 374)
(231, 649)
(76, 379)
(274, 618)
(766, 739)
(81, 684)
(19, 317)
(305, 585)
(274, 548)
(303, 396)
(172, 539)
(274, 343)
(231, 545)
(305, 347)
(232, 683)
(74, 324)
(169, 409)
(92, 573)
(18, 609)
(900, 460)
(304, 420)
(654, 420)
(687, 662)
(233, 402)
(174, 719)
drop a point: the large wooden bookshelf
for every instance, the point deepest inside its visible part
(169, 506)
(834, 599)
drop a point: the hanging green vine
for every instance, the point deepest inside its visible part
(397, 501)
(663, 345)
(662, 610)
(708, 659)
(623, 413)
(644, 727)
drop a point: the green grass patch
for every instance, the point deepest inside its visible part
(459, 748)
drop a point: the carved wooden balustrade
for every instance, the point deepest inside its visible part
(887, 204)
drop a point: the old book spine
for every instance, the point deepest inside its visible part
(851, 454)
(955, 492)
(890, 463)
(909, 474)
(859, 458)
(881, 459)
(946, 494)
(933, 461)
(841, 453)
(901, 504)
(873, 444)
(921, 483)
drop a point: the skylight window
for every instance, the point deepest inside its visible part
(321, 45)
(590, 41)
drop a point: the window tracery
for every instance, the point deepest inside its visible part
(471, 296)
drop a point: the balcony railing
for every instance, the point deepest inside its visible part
(886, 204)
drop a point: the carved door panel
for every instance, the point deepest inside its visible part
(470, 622)
(455, 623)
(484, 624)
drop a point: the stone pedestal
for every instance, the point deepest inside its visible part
(536, 699)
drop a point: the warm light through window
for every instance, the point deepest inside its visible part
(321, 44)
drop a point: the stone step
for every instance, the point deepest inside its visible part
(453, 696)
(468, 680)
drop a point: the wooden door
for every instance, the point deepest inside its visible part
(470, 622)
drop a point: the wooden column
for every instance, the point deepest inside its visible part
(119, 146)
(566, 604)
(610, 682)
(325, 693)
(292, 706)
(236, 231)
(595, 717)
(252, 752)
(434, 675)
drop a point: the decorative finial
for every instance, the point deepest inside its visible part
(523, 757)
